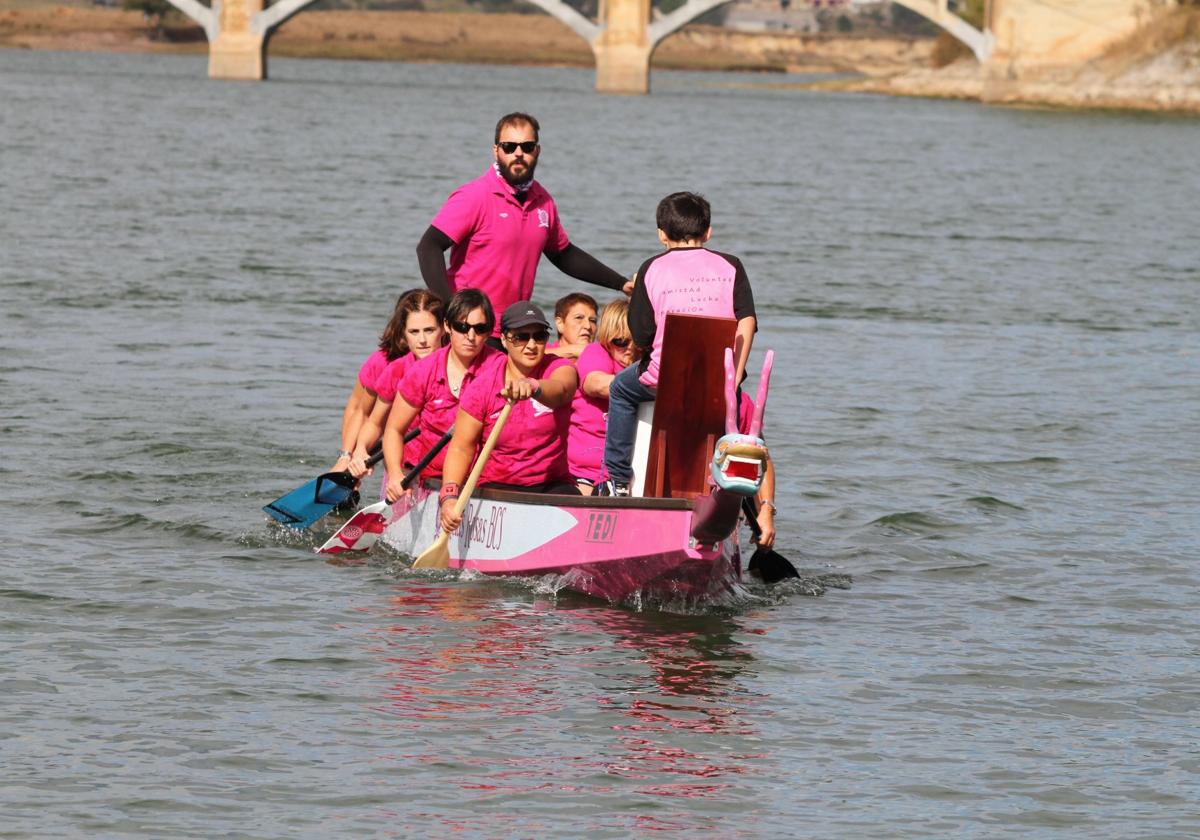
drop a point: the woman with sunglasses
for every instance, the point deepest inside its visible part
(531, 452)
(413, 332)
(429, 390)
(612, 352)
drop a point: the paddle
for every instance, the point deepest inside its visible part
(771, 566)
(362, 530)
(306, 504)
(437, 556)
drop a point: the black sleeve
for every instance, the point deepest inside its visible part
(583, 266)
(743, 295)
(642, 326)
(431, 259)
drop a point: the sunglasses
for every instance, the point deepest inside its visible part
(621, 342)
(527, 147)
(540, 336)
(463, 327)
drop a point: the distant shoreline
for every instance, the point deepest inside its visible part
(1125, 80)
(502, 38)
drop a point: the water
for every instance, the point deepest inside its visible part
(984, 416)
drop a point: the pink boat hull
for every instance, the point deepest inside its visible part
(608, 548)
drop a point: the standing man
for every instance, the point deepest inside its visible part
(498, 225)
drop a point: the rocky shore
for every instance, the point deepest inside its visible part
(1157, 70)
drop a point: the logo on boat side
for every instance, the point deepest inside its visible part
(489, 532)
(601, 527)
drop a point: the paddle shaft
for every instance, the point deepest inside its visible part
(412, 474)
(460, 504)
(751, 511)
(437, 556)
(366, 535)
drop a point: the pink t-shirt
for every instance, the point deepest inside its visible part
(371, 368)
(389, 379)
(589, 416)
(498, 240)
(426, 389)
(691, 281)
(532, 449)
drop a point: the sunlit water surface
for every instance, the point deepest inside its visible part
(984, 413)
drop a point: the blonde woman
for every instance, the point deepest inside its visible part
(599, 362)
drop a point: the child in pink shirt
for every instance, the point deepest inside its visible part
(686, 278)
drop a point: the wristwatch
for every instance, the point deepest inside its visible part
(768, 503)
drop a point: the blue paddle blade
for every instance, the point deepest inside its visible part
(306, 504)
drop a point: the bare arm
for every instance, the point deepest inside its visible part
(398, 422)
(459, 454)
(766, 512)
(597, 383)
(367, 435)
(358, 409)
(746, 327)
(554, 391)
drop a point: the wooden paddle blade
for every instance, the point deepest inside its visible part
(437, 556)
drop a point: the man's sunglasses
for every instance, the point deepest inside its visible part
(541, 337)
(463, 327)
(527, 147)
(621, 342)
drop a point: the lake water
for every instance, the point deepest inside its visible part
(985, 414)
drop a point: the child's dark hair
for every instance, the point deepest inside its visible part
(466, 301)
(393, 341)
(683, 216)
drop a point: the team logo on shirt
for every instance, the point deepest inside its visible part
(503, 215)
(543, 219)
(539, 409)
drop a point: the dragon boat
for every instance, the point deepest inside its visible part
(675, 536)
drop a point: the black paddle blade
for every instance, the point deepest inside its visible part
(771, 566)
(335, 489)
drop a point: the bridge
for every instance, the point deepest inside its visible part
(1016, 35)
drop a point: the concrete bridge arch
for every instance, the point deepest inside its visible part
(1019, 34)
(238, 32)
(624, 43)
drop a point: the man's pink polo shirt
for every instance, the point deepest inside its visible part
(426, 388)
(497, 239)
(532, 449)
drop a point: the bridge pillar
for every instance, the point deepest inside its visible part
(238, 52)
(623, 48)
